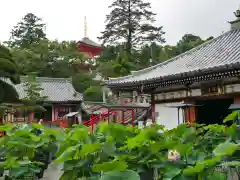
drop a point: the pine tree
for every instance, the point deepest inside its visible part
(29, 31)
(131, 21)
(8, 70)
(34, 98)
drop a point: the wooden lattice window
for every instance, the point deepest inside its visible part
(62, 111)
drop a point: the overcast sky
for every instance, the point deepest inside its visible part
(65, 18)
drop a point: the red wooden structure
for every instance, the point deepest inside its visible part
(88, 46)
(124, 114)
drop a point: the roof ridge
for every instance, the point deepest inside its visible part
(123, 77)
(49, 79)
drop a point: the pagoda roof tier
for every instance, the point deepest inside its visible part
(89, 42)
(56, 90)
(217, 55)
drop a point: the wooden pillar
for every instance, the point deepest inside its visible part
(31, 116)
(92, 124)
(55, 113)
(237, 101)
(53, 117)
(133, 114)
(153, 109)
(190, 113)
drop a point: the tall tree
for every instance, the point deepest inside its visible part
(28, 31)
(131, 21)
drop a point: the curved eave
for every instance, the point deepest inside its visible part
(90, 43)
(180, 76)
(232, 22)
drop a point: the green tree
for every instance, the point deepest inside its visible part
(188, 42)
(91, 89)
(8, 71)
(121, 66)
(30, 30)
(49, 58)
(28, 61)
(34, 99)
(132, 21)
(82, 81)
(109, 53)
(93, 93)
(149, 55)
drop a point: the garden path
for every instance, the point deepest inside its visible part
(52, 173)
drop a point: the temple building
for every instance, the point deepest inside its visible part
(91, 50)
(87, 46)
(197, 86)
(61, 99)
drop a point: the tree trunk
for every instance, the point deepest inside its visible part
(129, 38)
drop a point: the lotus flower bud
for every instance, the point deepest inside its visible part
(173, 155)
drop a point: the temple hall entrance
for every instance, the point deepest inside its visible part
(212, 111)
(47, 115)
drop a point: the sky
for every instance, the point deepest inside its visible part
(65, 18)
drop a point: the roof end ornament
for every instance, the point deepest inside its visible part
(236, 23)
(237, 13)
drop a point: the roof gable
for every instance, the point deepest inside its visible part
(220, 51)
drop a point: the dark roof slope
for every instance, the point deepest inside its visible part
(89, 42)
(56, 89)
(221, 51)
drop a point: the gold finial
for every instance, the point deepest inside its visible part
(85, 26)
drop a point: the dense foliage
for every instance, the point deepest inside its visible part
(115, 149)
(138, 45)
(195, 152)
(8, 70)
(33, 52)
(114, 62)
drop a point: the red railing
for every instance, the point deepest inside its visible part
(95, 119)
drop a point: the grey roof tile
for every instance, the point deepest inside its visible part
(220, 51)
(56, 89)
(88, 41)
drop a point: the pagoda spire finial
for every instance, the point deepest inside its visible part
(85, 26)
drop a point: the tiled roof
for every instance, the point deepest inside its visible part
(55, 89)
(88, 41)
(221, 51)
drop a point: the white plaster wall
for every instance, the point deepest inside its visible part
(168, 116)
